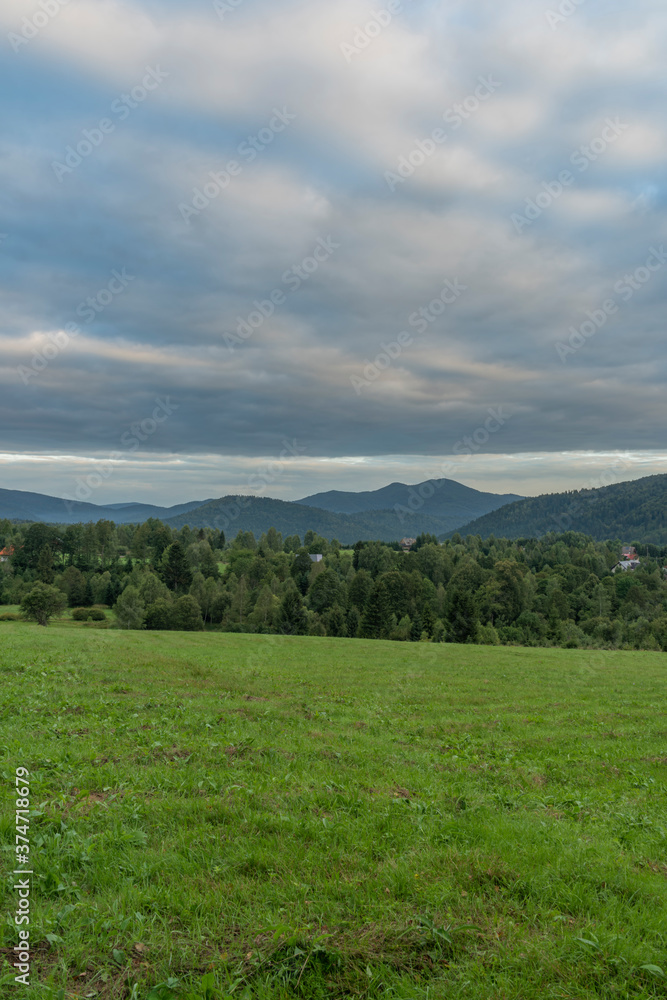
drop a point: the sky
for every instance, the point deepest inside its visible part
(276, 247)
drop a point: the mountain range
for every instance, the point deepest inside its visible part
(633, 511)
(399, 510)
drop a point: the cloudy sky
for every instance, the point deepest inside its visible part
(327, 245)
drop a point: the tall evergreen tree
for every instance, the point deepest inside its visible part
(45, 565)
(292, 618)
(375, 622)
(462, 617)
(416, 629)
(176, 572)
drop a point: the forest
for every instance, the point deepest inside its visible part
(558, 590)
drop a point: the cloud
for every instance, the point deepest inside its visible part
(197, 277)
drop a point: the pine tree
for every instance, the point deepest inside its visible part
(416, 629)
(336, 624)
(463, 620)
(292, 618)
(375, 622)
(300, 570)
(176, 572)
(263, 612)
(45, 565)
(428, 621)
(352, 620)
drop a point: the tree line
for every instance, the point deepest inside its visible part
(558, 590)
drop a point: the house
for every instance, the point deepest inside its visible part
(627, 564)
(316, 558)
(6, 553)
(407, 543)
(629, 559)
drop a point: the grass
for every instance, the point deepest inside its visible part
(222, 815)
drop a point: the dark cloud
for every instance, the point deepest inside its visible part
(483, 209)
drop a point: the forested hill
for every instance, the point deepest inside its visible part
(257, 514)
(442, 498)
(632, 512)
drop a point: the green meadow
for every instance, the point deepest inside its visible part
(218, 815)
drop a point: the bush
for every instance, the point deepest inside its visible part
(488, 636)
(81, 614)
(9, 616)
(159, 615)
(186, 615)
(96, 615)
(43, 603)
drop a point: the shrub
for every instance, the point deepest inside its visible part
(96, 615)
(81, 614)
(10, 616)
(159, 615)
(488, 636)
(186, 615)
(43, 603)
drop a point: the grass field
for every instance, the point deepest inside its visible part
(223, 815)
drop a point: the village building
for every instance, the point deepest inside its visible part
(629, 560)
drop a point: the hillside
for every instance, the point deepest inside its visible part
(633, 512)
(17, 505)
(257, 514)
(442, 498)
